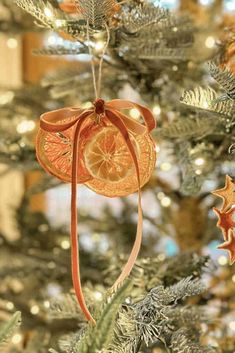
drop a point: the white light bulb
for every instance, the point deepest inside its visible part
(210, 42)
(12, 43)
(48, 12)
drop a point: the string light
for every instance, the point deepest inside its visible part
(134, 113)
(156, 110)
(46, 304)
(166, 201)
(17, 338)
(210, 42)
(25, 126)
(233, 278)
(48, 12)
(99, 46)
(10, 306)
(166, 166)
(222, 260)
(34, 310)
(232, 325)
(199, 161)
(65, 244)
(6, 97)
(12, 43)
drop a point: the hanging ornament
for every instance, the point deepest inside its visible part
(226, 221)
(106, 150)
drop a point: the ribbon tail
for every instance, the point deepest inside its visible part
(114, 119)
(74, 218)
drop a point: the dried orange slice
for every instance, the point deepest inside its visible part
(125, 182)
(107, 157)
(54, 152)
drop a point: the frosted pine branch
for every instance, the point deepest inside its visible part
(96, 12)
(207, 99)
(7, 330)
(224, 77)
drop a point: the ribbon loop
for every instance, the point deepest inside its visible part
(146, 114)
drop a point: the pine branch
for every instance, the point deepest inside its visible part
(224, 77)
(143, 16)
(99, 337)
(182, 129)
(153, 51)
(207, 99)
(181, 342)
(9, 328)
(37, 10)
(96, 12)
(60, 50)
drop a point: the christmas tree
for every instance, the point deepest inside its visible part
(177, 59)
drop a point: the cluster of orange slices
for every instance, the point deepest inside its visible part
(105, 164)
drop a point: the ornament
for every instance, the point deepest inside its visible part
(226, 221)
(227, 194)
(106, 150)
(229, 246)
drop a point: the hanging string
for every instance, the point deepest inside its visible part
(97, 82)
(92, 61)
(102, 58)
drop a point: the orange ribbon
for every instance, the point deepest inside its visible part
(54, 122)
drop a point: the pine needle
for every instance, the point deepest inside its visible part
(9, 328)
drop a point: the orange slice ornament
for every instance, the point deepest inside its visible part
(106, 150)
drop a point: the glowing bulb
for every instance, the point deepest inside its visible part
(10, 306)
(98, 295)
(166, 166)
(12, 43)
(222, 260)
(161, 257)
(25, 126)
(174, 67)
(199, 161)
(34, 310)
(99, 46)
(48, 12)
(232, 325)
(165, 201)
(156, 110)
(65, 244)
(157, 149)
(198, 172)
(233, 278)
(210, 42)
(134, 113)
(16, 339)
(46, 304)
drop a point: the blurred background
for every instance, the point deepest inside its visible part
(43, 69)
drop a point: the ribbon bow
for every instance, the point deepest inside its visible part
(55, 122)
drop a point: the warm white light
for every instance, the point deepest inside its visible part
(233, 278)
(12, 43)
(99, 46)
(6, 97)
(198, 172)
(174, 67)
(65, 244)
(166, 201)
(48, 12)
(206, 2)
(160, 195)
(161, 257)
(46, 304)
(199, 161)
(134, 113)
(34, 310)
(17, 338)
(157, 149)
(52, 39)
(25, 126)
(156, 110)
(222, 260)
(210, 42)
(10, 306)
(166, 166)
(98, 295)
(232, 325)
